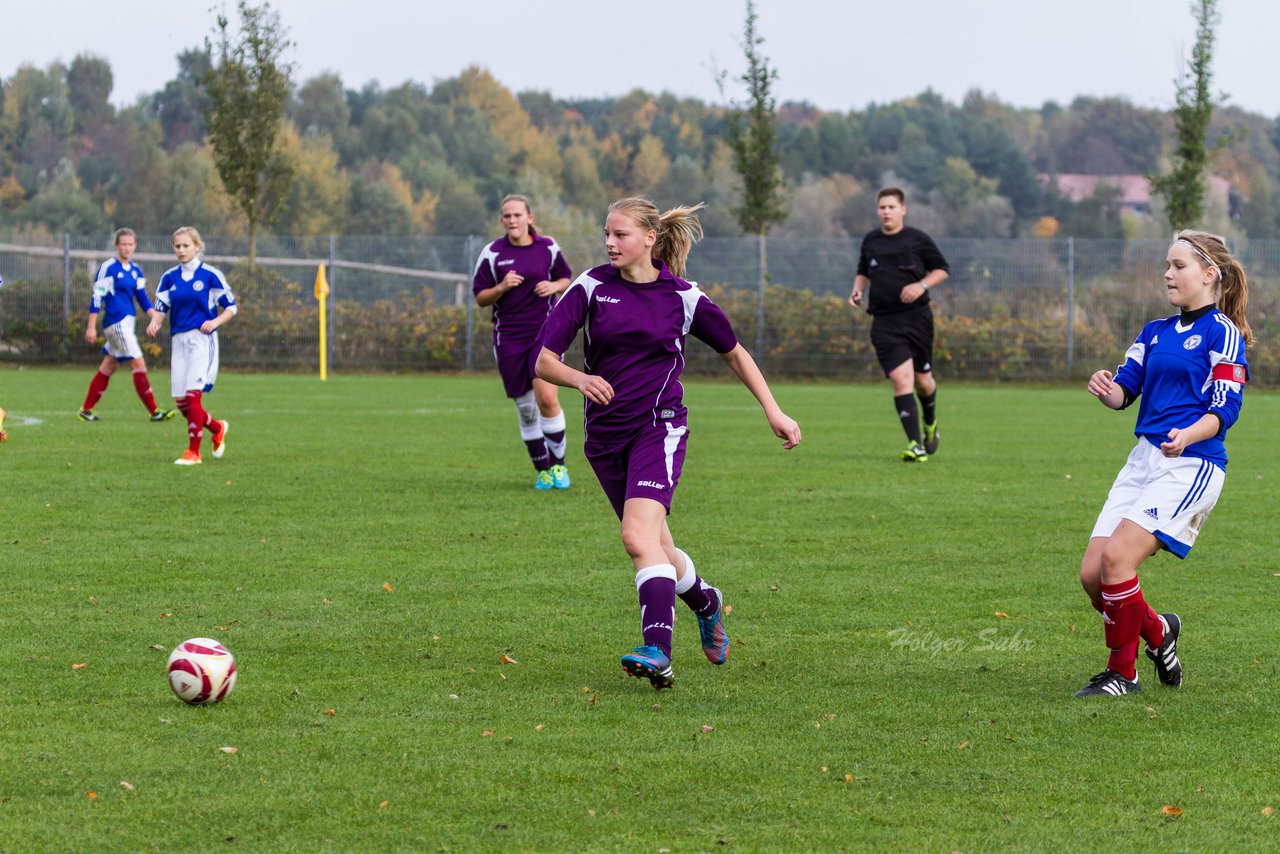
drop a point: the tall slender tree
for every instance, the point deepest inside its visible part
(248, 87)
(1183, 186)
(753, 136)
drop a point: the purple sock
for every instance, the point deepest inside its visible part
(538, 453)
(701, 598)
(694, 592)
(656, 586)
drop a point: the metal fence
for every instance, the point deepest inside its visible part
(1012, 309)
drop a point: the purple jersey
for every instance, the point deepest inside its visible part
(634, 338)
(518, 313)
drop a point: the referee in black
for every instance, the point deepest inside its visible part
(896, 268)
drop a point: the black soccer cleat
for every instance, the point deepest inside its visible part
(1111, 683)
(86, 415)
(1168, 668)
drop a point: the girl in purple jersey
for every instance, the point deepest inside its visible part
(636, 311)
(1190, 370)
(520, 275)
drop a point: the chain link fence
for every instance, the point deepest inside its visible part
(1012, 309)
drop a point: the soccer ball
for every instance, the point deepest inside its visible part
(202, 670)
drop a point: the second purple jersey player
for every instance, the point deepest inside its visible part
(520, 274)
(635, 313)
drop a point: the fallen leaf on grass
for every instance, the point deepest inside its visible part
(1073, 628)
(166, 614)
(126, 785)
(157, 646)
(1171, 811)
(824, 769)
(728, 609)
(383, 805)
(773, 588)
(506, 659)
(1268, 810)
(848, 778)
(592, 701)
(331, 712)
(1002, 615)
(538, 728)
(222, 628)
(232, 751)
(591, 813)
(326, 601)
(91, 795)
(488, 733)
(387, 586)
(962, 745)
(78, 667)
(706, 728)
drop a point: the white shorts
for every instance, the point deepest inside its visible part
(121, 340)
(1168, 496)
(195, 362)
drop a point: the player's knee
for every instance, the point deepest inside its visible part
(527, 410)
(636, 540)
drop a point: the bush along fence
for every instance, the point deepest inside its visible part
(1013, 310)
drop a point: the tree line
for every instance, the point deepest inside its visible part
(415, 159)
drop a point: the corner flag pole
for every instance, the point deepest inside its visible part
(322, 294)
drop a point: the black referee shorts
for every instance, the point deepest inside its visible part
(903, 335)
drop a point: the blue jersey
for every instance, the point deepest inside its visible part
(117, 286)
(1184, 369)
(190, 297)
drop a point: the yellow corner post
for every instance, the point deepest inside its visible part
(322, 295)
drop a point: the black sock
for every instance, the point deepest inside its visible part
(929, 407)
(906, 407)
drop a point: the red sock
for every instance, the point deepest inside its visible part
(1152, 628)
(1123, 610)
(196, 418)
(97, 386)
(143, 387)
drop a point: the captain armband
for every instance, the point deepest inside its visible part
(1230, 372)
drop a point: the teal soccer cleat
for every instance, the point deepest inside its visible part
(648, 662)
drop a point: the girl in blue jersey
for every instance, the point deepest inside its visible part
(198, 300)
(635, 312)
(119, 283)
(520, 275)
(1189, 371)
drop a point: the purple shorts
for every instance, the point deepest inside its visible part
(647, 465)
(515, 365)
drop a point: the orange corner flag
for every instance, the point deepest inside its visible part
(322, 284)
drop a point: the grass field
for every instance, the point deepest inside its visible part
(906, 638)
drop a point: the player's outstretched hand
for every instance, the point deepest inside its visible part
(1100, 384)
(154, 326)
(786, 429)
(596, 389)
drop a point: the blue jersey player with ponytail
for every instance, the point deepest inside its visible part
(1188, 371)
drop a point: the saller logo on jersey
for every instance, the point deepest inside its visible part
(1229, 371)
(651, 484)
(603, 298)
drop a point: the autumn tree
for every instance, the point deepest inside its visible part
(1183, 186)
(248, 89)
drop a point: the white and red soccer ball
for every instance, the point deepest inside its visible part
(202, 670)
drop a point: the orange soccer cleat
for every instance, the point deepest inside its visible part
(188, 458)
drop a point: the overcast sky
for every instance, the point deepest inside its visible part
(836, 54)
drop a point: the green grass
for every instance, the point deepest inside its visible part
(874, 699)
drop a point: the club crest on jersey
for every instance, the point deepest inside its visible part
(1192, 342)
(198, 286)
